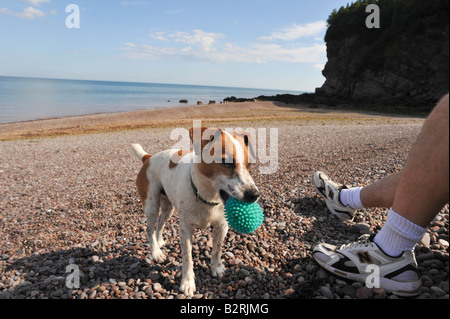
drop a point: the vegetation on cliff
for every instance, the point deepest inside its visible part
(405, 18)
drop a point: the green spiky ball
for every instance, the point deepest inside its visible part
(243, 217)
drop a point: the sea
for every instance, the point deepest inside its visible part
(27, 99)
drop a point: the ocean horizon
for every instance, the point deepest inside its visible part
(27, 99)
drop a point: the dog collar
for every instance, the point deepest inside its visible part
(197, 195)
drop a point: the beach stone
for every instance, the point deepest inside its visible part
(5, 295)
(349, 291)
(157, 287)
(289, 292)
(427, 281)
(244, 272)
(364, 228)
(380, 293)
(438, 291)
(321, 274)
(281, 226)
(364, 293)
(101, 288)
(425, 241)
(326, 292)
(58, 293)
(444, 286)
(443, 243)
(425, 256)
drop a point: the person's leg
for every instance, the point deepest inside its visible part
(381, 193)
(421, 190)
(424, 184)
(425, 169)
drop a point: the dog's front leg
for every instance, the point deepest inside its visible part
(188, 277)
(219, 232)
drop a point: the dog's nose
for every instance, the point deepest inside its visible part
(250, 196)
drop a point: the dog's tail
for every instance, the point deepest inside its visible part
(140, 153)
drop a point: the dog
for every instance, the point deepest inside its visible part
(196, 184)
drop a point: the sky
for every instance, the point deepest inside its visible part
(237, 43)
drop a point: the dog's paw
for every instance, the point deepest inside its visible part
(218, 271)
(188, 286)
(158, 256)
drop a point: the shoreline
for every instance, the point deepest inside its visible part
(181, 115)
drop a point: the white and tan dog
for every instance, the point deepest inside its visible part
(197, 187)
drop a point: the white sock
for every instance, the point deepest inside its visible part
(398, 235)
(351, 197)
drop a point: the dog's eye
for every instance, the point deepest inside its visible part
(229, 165)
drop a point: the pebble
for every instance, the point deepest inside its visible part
(57, 293)
(427, 281)
(157, 287)
(289, 292)
(425, 241)
(349, 291)
(326, 292)
(364, 293)
(443, 243)
(438, 291)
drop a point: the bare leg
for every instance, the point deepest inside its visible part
(382, 192)
(426, 174)
(424, 185)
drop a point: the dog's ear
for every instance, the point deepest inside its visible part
(248, 139)
(202, 136)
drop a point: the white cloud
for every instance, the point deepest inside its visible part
(204, 40)
(27, 13)
(210, 47)
(295, 32)
(158, 36)
(35, 2)
(255, 53)
(319, 66)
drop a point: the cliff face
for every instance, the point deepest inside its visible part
(403, 62)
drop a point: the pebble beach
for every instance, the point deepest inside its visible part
(68, 197)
